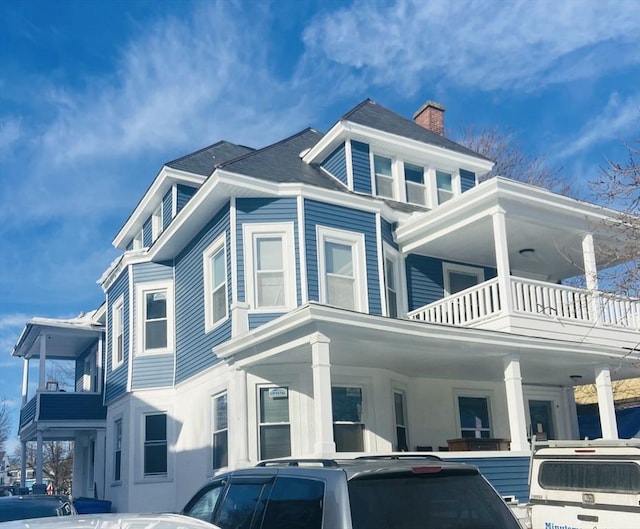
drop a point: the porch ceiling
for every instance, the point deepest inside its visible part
(417, 349)
(64, 341)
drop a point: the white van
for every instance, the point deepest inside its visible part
(585, 484)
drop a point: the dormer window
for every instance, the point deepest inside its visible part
(414, 180)
(444, 183)
(156, 223)
(383, 176)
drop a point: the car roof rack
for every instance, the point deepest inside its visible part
(325, 463)
(402, 457)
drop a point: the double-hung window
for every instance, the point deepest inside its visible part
(155, 444)
(348, 426)
(393, 279)
(220, 441)
(155, 317)
(474, 416)
(459, 277)
(270, 266)
(117, 333)
(382, 168)
(275, 428)
(399, 406)
(414, 182)
(341, 267)
(444, 185)
(215, 283)
(117, 450)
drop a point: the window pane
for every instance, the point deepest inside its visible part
(384, 186)
(220, 449)
(155, 427)
(219, 303)
(416, 194)
(221, 412)
(474, 413)
(275, 441)
(398, 402)
(269, 253)
(156, 334)
(382, 165)
(347, 404)
(203, 507)
(339, 259)
(443, 181)
(340, 292)
(155, 459)
(295, 503)
(270, 289)
(156, 305)
(218, 267)
(609, 476)
(349, 437)
(413, 173)
(237, 509)
(460, 281)
(273, 407)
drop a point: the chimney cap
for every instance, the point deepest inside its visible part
(434, 104)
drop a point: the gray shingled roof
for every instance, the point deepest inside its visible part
(204, 161)
(371, 114)
(281, 163)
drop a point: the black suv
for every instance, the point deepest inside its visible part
(377, 492)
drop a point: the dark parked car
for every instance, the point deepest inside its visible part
(400, 492)
(34, 506)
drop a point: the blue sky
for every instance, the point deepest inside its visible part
(96, 95)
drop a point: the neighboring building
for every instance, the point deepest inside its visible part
(354, 291)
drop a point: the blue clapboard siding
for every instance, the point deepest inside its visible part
(184, 194)
(467, 180)
(193, 345)
(425, 279)
(150, 370)
(28, 412)
(71, 407)
(259, 211)
(167, 208)
(116, 381)
(342, 218)
(361, 167)
(147, 233)
(508, 475)
(336, 164)
(387, 233)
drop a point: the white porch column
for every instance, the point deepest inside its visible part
(572, 413)
(238, 434)
(239, 318)
(605, 404)
(23, 463)
(591, 276)
(43, 361)
(99, 370)
(515, 404)
(39, 457)
(25, 382)
(99, 463)
(502, 259)
(322, 409)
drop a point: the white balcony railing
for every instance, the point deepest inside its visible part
(482, 301)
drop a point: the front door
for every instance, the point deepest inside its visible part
(541, 419)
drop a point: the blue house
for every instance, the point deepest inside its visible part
(357, 291)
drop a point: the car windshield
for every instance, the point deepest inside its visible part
(427, 501)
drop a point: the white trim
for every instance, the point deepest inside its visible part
(260, 423)
(174, 200)
(117, 305)
(463, 269)
(234, 250)
(156, 222)
(358, 252)
(140, 414)
(381, 270)
(284, 231)
(348, 154)
(401, 292)
(219, 244)
(302, 249)
(141, 290)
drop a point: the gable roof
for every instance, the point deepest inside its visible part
(204, 161)
(371, 114)
(281, 163)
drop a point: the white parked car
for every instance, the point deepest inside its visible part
(111, 521)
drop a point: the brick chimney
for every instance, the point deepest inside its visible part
(431, 116)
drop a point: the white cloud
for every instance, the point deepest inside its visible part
(482, 44)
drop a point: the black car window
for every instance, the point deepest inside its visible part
(295, 503)
(241, 505)
(203, 505)
(427, 500)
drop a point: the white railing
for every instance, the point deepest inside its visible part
(472, 304)
(532, 297)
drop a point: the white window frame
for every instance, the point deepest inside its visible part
(117, 326)
(215, 431)
(399, 277)
(138, 240)
(250, 234)
(363, 414)
(161, 476)
(117, 447)
(423, 187)
(397, 424)
(375, 175)
(358, 253)
(141, 290)
(156, 222)
(207, 256)
(463, 269)
(262, 424)
(474, 394)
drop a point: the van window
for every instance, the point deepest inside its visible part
(240, 505)
(295, 503)
(600, 476)
(202, 507)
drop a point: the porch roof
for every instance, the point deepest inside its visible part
(418, 349)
